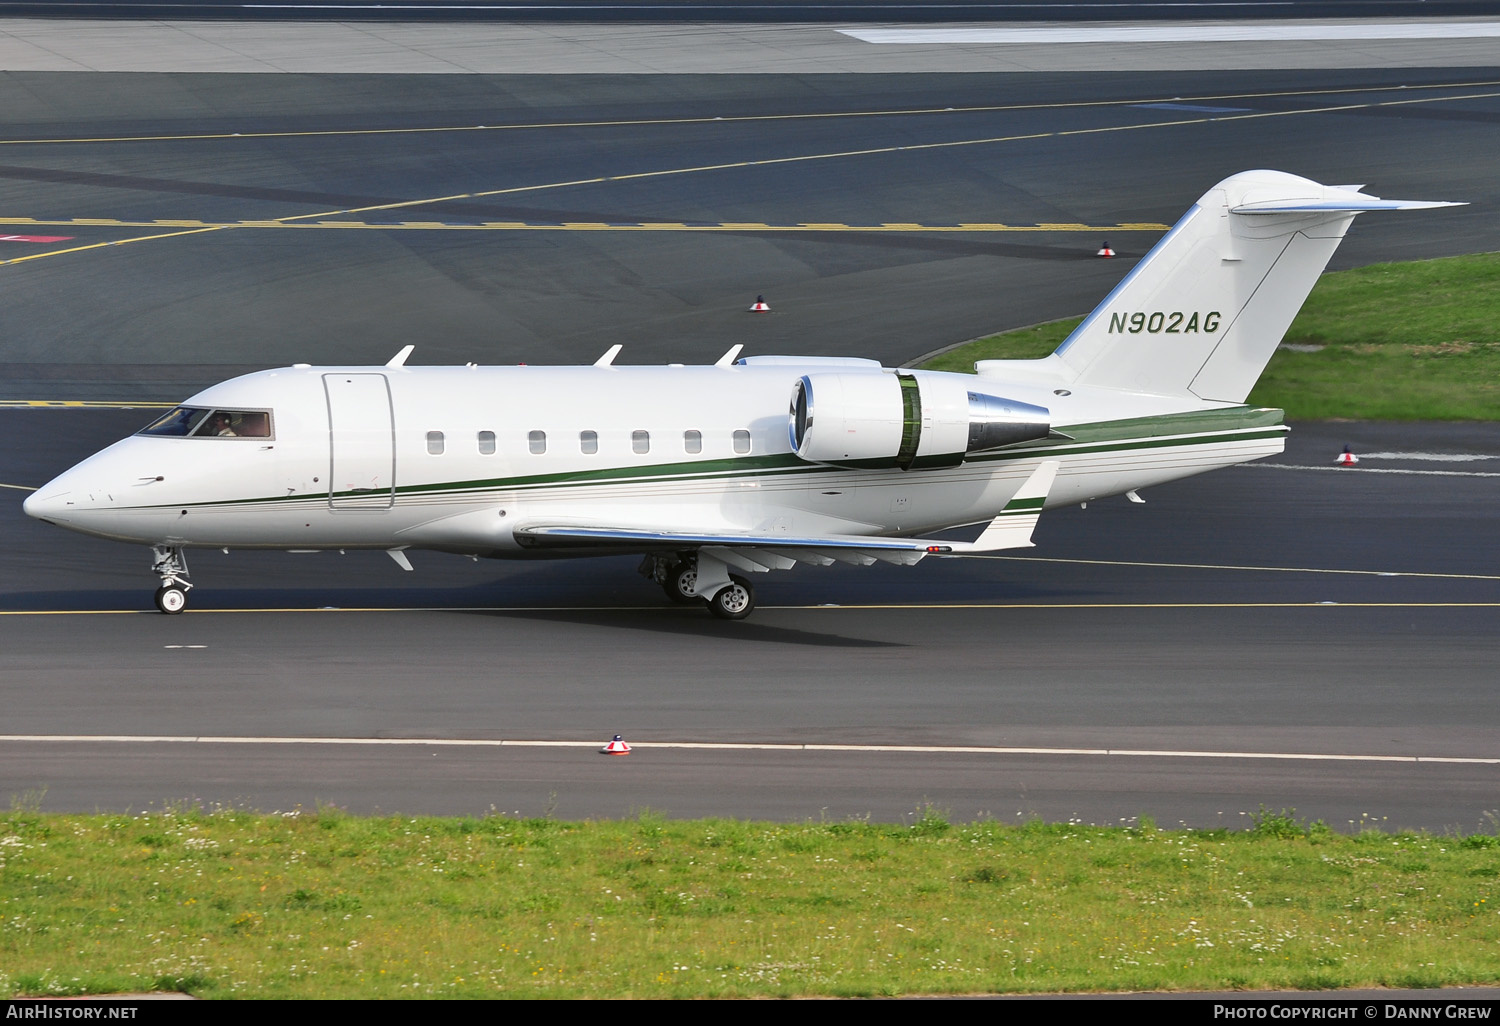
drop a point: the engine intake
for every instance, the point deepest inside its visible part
(911, 420)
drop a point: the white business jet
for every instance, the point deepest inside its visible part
(715, 473)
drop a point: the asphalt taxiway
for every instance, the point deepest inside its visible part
(1285, 635)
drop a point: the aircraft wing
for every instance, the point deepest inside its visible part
(759, 551)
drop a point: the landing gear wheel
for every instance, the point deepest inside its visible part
(681, 579)
(734, 601)
(171, 599)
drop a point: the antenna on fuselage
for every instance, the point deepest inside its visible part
(399, 360)
(609, 356)
(729, 357)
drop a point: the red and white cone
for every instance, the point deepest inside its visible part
(1347, 458)
(616, 747)
(760, 305)
(1105, 251)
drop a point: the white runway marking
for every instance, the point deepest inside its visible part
(1427, 457)
(430, 742)
(1222, 32)
(1375, 470)
(1264, 569)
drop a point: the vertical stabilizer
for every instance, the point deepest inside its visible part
(1202, 313)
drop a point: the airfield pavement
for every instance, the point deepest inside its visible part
(1285, 634)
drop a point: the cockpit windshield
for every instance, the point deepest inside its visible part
(200, 422)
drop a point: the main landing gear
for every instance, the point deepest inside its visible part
(170, 564)
(678, 575)
(734, 601)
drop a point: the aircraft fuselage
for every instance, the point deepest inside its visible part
(451, 458)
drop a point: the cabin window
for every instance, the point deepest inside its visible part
(536, 441)
(742, 441)
(486, 443)
(640, 441)
(588, 442)
(202, 422)
(434, 443)
(692, 441)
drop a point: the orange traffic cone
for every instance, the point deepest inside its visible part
(760, 305)
(1347, 458)
(616, 747)
(1105, 251)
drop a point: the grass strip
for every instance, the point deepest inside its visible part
(327, 905)
(1403, 341)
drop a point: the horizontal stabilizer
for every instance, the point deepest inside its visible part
(1355, 203)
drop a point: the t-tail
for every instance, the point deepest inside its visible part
(1202, 313)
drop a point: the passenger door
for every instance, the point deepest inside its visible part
(362, 442)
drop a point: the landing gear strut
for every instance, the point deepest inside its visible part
(677, 574)
(170, 564)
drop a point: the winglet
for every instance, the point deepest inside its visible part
(399, 360)
(609, 355)
(1012, 528)
(729, 357)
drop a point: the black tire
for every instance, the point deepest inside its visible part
(171, 599)
(734, 601)
(678, 576)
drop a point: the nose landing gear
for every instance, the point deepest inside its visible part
(170, 564)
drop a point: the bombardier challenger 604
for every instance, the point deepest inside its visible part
(716, 473)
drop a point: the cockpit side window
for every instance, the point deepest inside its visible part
(250, 423)
(180, 421)
(198, 422)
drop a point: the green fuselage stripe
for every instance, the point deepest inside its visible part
(1172, 431)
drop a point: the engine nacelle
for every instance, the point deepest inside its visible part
(907, 419)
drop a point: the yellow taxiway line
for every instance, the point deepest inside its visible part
(81, 404)
(582, 226)
(776, 161)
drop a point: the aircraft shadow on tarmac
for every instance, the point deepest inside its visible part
(688, 623)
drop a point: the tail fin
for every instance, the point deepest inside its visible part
(1202, 313)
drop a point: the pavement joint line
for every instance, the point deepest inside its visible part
(819, 607)
(738, 746)
(730, 119)
(874, 151)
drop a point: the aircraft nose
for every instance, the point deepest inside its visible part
(47, 502)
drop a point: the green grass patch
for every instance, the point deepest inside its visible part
(331, 905)
(1407, 341)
